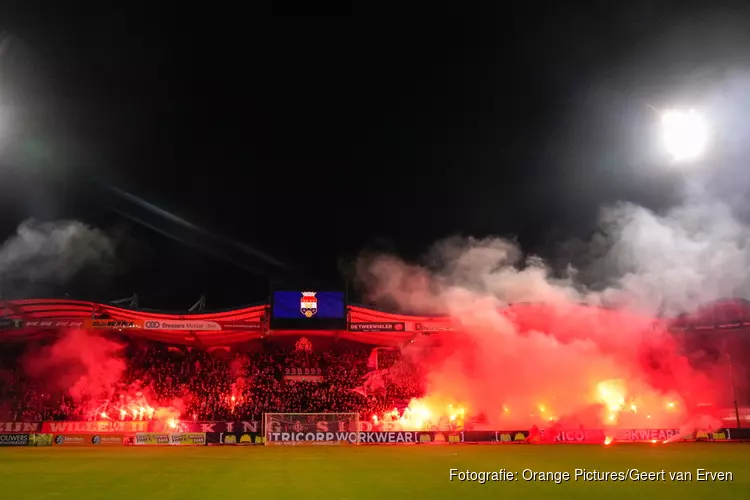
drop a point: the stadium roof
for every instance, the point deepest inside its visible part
(36, 318)
(30, 319)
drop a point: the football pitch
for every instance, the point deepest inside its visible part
(372, 472)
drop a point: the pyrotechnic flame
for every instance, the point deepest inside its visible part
(611, 393)
(422, 414)
(134, 405)
(608, 440)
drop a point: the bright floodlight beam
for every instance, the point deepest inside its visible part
(685, 134)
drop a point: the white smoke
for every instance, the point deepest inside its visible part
(654, 263)
(45, 254)
(674, 262)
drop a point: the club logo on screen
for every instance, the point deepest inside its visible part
(308, 304)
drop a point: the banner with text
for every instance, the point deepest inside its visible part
(102, 427)
(396, 437)
(377, 327)
(43, 324)
(620, 436)
(433, 327)
(20, 427)
(110, 324)
(399, 326)
(202, 326)
(170, 439)
(14, 440)
(247, 426)
(148, 324)
(89, 439)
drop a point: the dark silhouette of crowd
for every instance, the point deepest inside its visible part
(217, 386)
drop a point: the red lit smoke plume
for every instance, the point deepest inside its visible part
(86, 366)
(584, 347)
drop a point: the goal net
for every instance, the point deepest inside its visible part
(311, 428)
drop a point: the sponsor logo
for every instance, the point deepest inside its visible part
(188, 438)
(308, 305)
(14, 439)
(250, 325)
(40, 439)
(622, 435)
(182, 325)
(646, 434)
(377, 327)
(60, 440)
(432, 327)
(96, 323)
(350, 437)
(107, 439)
(152, 439)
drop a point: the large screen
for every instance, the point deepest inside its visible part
(308, 309)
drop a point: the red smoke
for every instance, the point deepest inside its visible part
(550, 362)
(90, 369)
(84, 365)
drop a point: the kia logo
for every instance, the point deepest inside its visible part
(152, 324)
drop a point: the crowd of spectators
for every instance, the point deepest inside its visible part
(216, 386)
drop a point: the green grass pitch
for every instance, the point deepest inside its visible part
(363, 472)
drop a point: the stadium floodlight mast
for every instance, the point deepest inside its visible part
(685, 134)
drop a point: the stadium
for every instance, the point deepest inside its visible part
(104, 382)
(537, 217)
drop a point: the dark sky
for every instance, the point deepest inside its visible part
(312, 138)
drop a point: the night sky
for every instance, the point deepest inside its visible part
(308, 139)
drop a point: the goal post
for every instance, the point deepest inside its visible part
(311, 428)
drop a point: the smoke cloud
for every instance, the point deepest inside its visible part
(85, 366)
(43, 255)
(670, 263)
(582, 344)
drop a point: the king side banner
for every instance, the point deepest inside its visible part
(251, 426)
